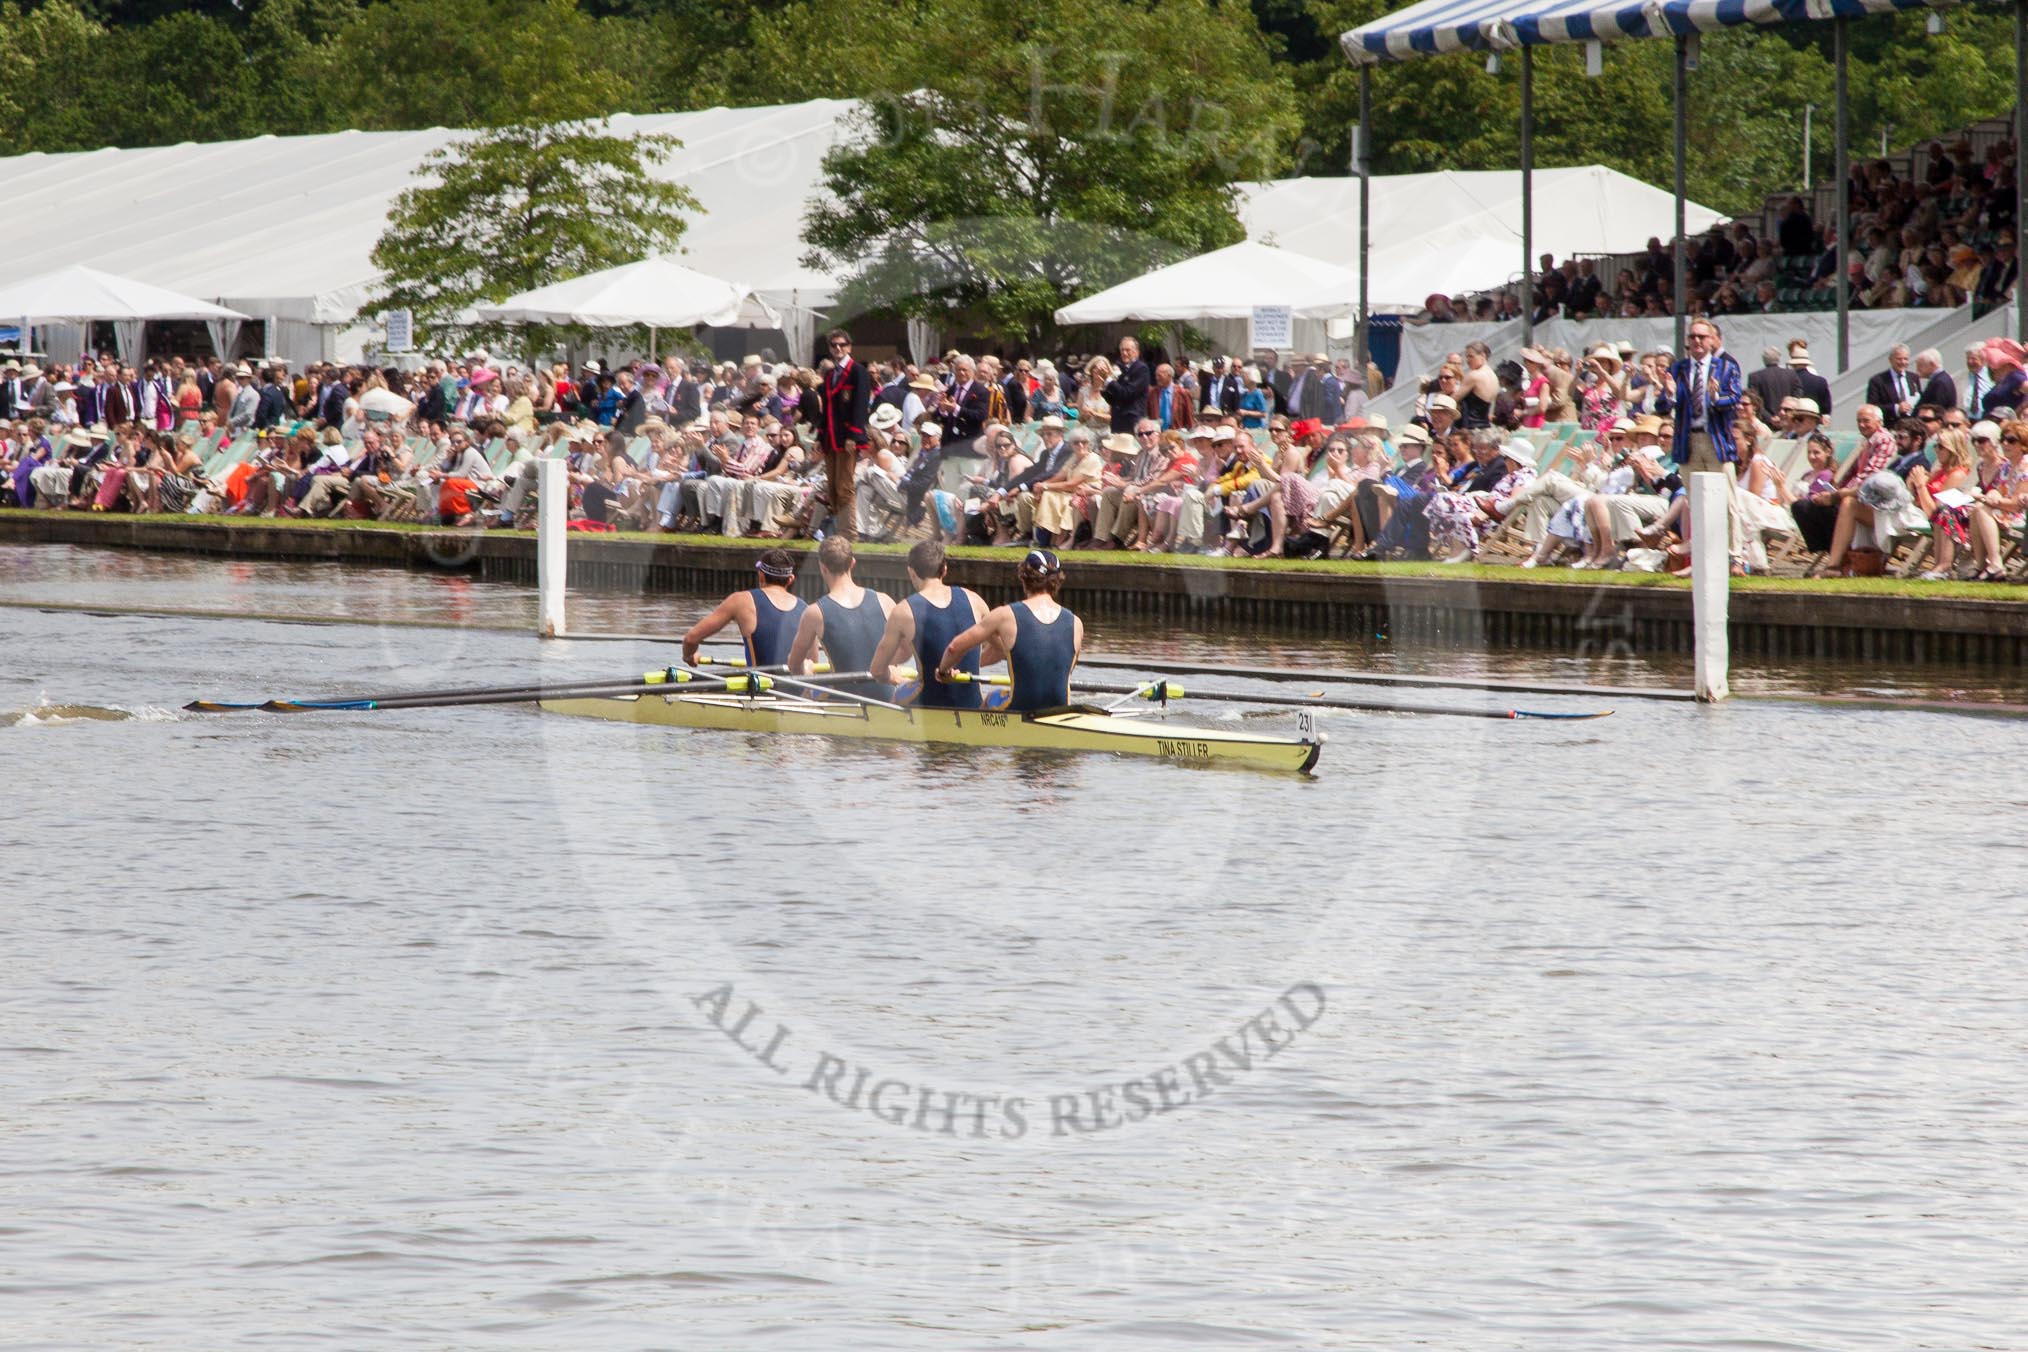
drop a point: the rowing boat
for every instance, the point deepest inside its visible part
(1071, 730)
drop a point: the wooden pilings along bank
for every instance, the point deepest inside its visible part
(1436, 611)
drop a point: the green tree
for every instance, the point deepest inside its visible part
(1022, 153)
(520, 207)
(406, 64)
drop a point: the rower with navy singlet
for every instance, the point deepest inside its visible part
(923, 626)
(1041, 639)
(766, 615)
(847, 622)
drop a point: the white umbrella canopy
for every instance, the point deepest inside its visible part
(79, 295)
(1227, 283)
(384, 403)
(654, 292)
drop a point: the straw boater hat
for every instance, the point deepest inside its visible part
(930, 429)
(1799, 353)
(1121, 443)
(31, 372)
(1535, 356)
(81, 440)
(1415, 434)
(924, 382)
(1807, 407)
(1604, 352)
(1052, 421)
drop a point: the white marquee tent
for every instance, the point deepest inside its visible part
(281, 227)
(1453, 231)
(1225, 284)
(79, 295)
(658, 292)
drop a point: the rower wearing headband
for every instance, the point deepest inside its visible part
(1042, 640)
(767, 615)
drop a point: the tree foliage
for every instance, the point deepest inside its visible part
(1167, 99)
(520, 207)
(1081, 146)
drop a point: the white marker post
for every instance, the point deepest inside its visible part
(552, 505)
(1710, 581)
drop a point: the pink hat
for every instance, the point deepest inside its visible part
(2002, 353)
(482, 376)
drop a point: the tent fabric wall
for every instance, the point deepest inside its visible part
(1474, 242)
(283, 226)
(1423, 346)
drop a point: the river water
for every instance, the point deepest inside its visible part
(1696, 1028)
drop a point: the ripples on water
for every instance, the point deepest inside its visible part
(1692, 1028)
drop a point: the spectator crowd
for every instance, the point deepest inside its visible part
(1543, 458)
(1936, 240)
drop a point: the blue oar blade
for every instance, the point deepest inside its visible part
(1525, 713)
(290, 706)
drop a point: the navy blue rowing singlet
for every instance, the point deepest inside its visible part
(1041, 660)
(851, 636)
(935, 627)
(774, 630)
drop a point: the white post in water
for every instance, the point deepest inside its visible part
(551, 531)
(1710, 579)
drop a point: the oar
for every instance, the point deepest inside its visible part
(1162, 692)
(650, 683)
(204, 706)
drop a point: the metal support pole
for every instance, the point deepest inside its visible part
(1528, 195)
(1808, 109)
(1682, 189)
(1840, 154)
(1362, 158)
(2020, 139)
(1710, 581)
(552, 518)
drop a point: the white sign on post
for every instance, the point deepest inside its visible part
(1274, 326)
(400, 330)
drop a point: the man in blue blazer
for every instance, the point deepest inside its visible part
(1709, 387)
(1708, 390)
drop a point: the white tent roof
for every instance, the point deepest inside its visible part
(654, 291)
(1225, 284)
(1435, 231)
(76, 295)
(282, 226)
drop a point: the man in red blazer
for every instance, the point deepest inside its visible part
(841, 430)
(1169, 403)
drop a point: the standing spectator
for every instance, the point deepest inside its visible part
(1773, 383)
(1305, 395)
(967, 407)
(1809, 385)
(1896, 390)
(2003, 360)
(1710, 388)
(1978, 382)
(273, 401)
(1937, 386)
(1273, 380)
(1168, 402)
(1222, 388)
(1126, 394)
(848, 389)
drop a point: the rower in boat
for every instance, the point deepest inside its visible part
(924, 626)
(767, 615)
(848, 622)
(1040, 638)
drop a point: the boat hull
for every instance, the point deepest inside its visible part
(1071, 731)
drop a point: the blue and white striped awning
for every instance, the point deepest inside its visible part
(1435, 27)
